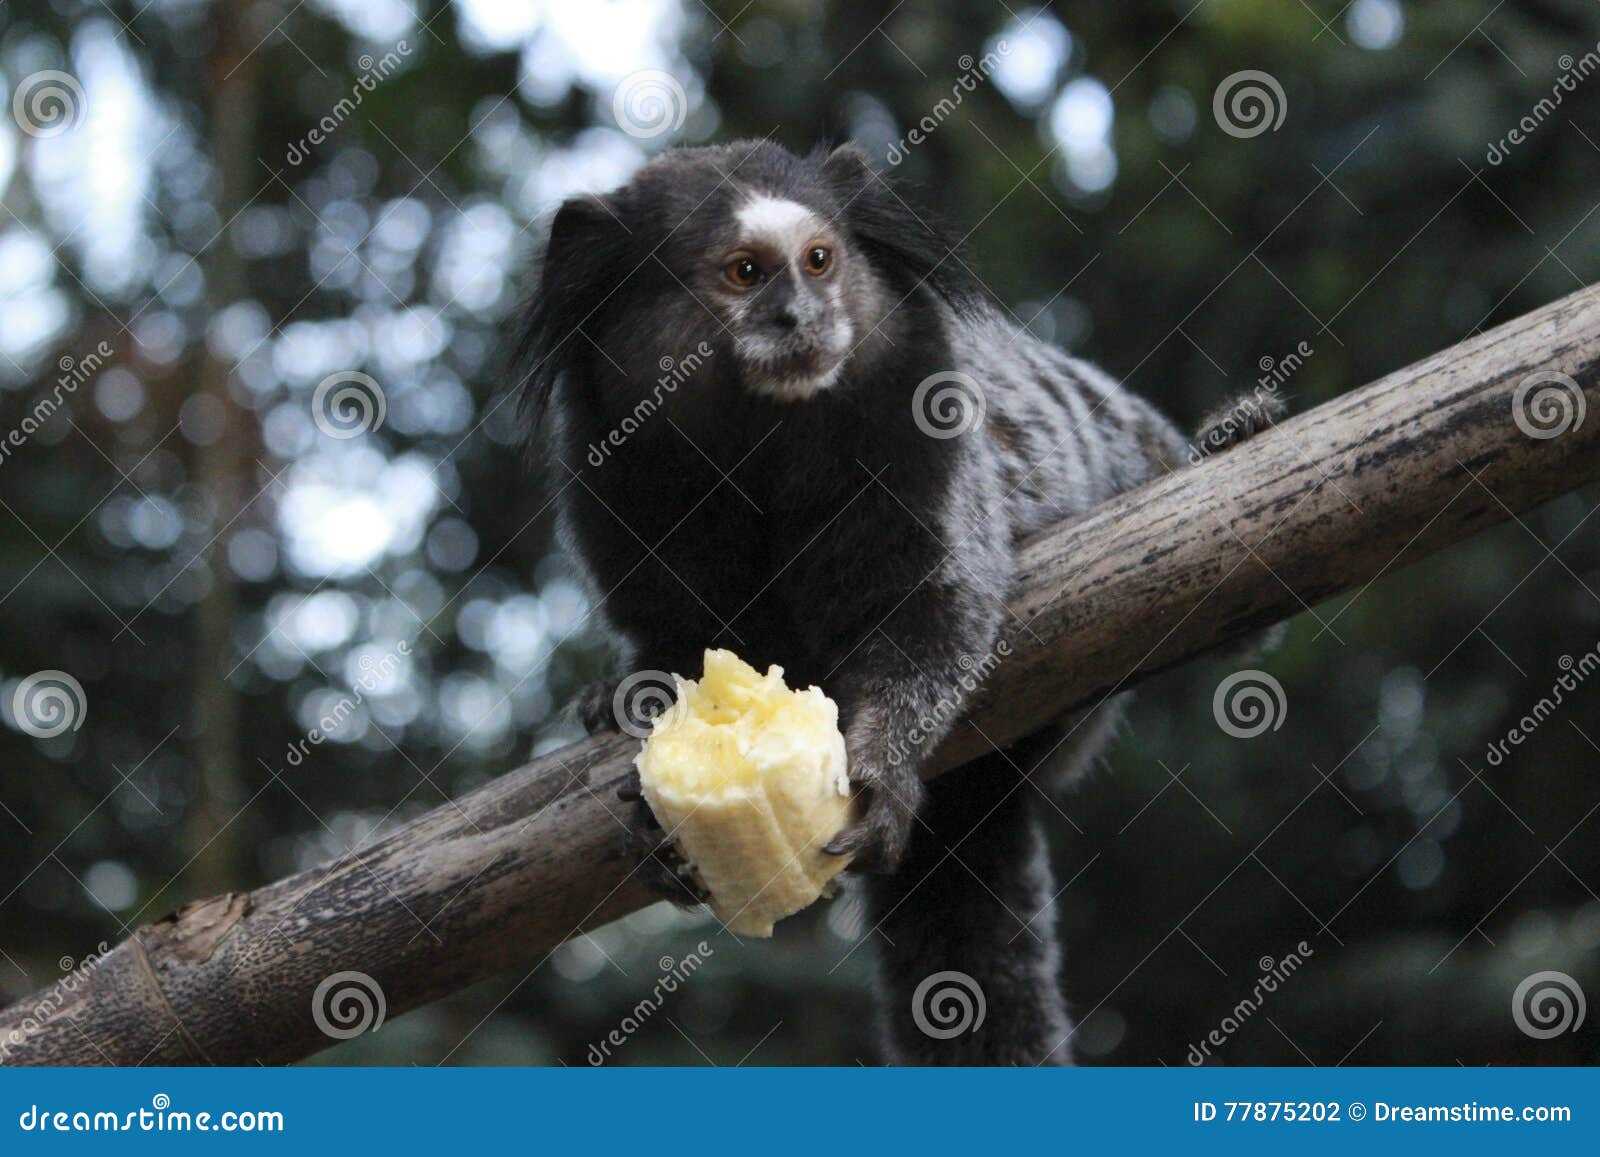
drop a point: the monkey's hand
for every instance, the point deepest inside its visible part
(625, 705)
(887, 797)
(591, 706)
(662, 869)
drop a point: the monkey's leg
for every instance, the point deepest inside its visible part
(969, 962)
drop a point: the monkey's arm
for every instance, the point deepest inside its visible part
(903, 694)
(910, 671)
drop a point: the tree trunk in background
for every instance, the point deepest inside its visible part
(221, 471)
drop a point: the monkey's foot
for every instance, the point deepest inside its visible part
(1239, 421)
(664, 871)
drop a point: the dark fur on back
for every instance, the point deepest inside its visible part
(826, 523)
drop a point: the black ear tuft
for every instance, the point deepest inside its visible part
(848, 163)
(582, 266)
(905, 241)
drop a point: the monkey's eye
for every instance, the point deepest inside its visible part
(817, 261)
(744, 273)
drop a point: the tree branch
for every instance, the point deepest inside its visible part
(1330, 501)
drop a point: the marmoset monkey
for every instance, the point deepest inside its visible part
(791, 423)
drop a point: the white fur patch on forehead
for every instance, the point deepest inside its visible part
(776, 221)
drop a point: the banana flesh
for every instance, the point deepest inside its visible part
(748, 778)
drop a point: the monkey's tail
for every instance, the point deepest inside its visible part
(969, 963)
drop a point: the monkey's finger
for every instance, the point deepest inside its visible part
(849, 841)
(630, 790)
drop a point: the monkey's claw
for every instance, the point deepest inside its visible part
(877, 840)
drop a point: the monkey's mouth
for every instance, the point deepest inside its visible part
(790, 373)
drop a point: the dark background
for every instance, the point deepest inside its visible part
(183, 540)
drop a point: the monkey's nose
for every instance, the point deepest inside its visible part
(786, 318)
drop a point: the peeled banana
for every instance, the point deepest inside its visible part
(748, 778)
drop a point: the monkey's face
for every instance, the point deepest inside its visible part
(781, 284)
(784, 270)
